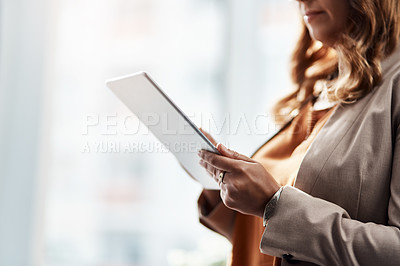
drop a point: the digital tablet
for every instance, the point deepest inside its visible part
(166, 121)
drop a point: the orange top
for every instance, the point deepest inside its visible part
(281, 157)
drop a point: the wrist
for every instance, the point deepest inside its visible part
(271, 193)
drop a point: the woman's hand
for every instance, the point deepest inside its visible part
(247, 186)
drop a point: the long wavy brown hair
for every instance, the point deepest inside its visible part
(353, 68)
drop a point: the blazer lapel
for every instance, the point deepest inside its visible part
(327, 140)
(334, 131)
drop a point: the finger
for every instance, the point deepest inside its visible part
(232, 154)
(219, 161)
(212, 171)
(210, 138)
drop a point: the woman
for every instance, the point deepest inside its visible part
(325, 189)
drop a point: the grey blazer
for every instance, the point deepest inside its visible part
(344, 208)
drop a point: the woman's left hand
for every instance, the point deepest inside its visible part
(246, 186)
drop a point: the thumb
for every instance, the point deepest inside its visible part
(231, 153)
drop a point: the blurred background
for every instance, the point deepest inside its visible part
(81, 181)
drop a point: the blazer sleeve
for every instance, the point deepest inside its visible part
(310, 229)
(220, 219)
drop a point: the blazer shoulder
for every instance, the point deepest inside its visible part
(393, 84)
